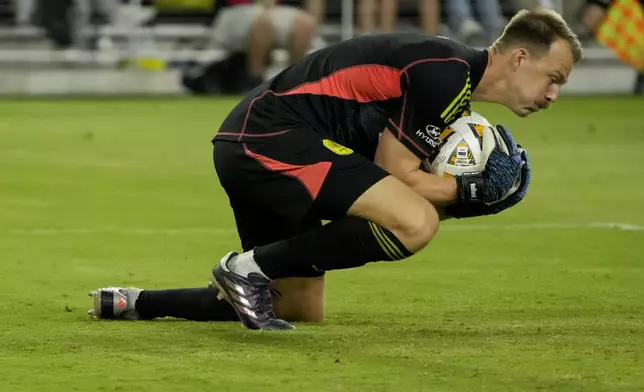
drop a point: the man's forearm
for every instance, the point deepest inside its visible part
(437, 190)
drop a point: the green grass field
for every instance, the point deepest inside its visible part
(546, 296)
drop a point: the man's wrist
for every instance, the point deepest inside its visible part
(470, 188)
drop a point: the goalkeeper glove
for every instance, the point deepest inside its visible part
(477, 192)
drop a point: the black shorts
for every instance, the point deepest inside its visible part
(287, 184)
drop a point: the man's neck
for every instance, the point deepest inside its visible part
(492, 87)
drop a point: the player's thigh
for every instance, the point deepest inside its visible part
(392, 204)
(339, 182)
(233, 26)
(294, 174)
(271, 200)
(269, 206)
(355, 186)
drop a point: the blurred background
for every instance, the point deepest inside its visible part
(99, 192)
(174, 47)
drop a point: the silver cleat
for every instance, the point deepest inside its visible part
(251, 296)
(115, 303)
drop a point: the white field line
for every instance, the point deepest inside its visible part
(231, 231)
(123, 231)
(550, 226)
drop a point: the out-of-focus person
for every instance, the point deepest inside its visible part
(24, 12)
(429, 11)
(381, 16)
(472, 19)
(255, 28)
(377, 16)
(527, 4)
(63, 20)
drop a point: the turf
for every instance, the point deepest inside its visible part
(546, 296)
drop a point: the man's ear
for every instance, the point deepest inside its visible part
(519, 56)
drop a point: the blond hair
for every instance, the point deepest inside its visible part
(538, 29)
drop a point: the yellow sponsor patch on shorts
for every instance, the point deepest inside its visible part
(337, 148)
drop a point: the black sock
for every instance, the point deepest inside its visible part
(346, 243)
(199, 304)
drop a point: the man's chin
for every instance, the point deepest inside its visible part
(524, 112)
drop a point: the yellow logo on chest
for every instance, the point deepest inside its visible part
(337, 148)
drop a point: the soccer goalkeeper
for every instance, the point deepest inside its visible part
(341, 136)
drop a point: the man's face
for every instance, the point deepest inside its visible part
(535, 81)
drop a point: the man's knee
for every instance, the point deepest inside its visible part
(263, 26)
(304, 25)
(419, 227)
(397, 208)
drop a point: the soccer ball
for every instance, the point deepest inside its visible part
(464, 146)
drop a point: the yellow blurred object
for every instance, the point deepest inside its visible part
(143, 62)
(205, 5)
(623, 31)
(150, 63)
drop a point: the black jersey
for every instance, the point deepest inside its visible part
(412, 84)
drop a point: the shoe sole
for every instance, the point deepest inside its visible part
(97, 305)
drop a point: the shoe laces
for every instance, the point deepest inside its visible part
(265, 300)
